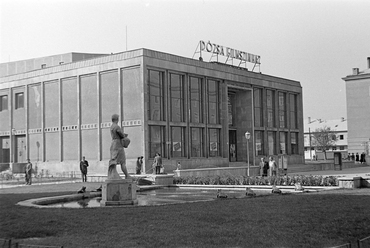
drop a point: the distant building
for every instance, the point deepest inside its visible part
(338, 126)
(358, 109)
(190, 111)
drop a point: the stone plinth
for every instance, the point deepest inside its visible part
(162, 179)
(348, 183)
(118, 192)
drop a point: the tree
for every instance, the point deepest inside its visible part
(324, 138)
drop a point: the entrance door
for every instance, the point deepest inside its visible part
(20, 149)
(232, 145)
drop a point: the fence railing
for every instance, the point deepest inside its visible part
(363, 243)
(7, 243)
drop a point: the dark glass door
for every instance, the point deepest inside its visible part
(232, 145)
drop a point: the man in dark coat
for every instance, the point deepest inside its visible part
(83, 167)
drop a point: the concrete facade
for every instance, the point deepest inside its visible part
(358, 110)
(190, 111)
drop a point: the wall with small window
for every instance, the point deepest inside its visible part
(4, 111)
(19, 118)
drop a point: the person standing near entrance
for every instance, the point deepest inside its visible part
(29, 172)
(272, 166)
(83, 168)
(157, 163)
(139, 165)
(264, 165)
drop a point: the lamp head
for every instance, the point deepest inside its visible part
(247, 135)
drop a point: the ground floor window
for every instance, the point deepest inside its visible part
(259, 142)
(178, 142)
(156, 141)
(294, 142)
(283, 142)
(214, 142)
(197, 142)
(271, 142)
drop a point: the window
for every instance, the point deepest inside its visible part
(156, 142)
(231, 108)
(270, 108)
(271, 142)
(178, 142)
(19, 100)
(334, 148)
(294, 142)
(283, 143)
(156, 112)
(196, 109)
(282, 110)
(258, 107)
(213, 111)
(341, 137)
(259, 142)
(196, 142)
(293, 111)
(177, 98)
(3, 103)
(214, 142)
(341, 148)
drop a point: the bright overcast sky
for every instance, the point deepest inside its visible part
(314, 42)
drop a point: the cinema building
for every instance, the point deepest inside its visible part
(56, 109)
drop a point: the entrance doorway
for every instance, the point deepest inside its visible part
(232, 146)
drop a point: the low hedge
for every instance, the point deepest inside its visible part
(273, 180)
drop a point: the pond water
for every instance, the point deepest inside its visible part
(162, 196)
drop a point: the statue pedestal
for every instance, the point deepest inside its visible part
(117, 192)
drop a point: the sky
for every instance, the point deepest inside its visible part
(314, 42)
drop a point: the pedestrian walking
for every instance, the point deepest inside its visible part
(29, 172)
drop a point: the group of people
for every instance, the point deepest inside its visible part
(358, 158)
(268, 167)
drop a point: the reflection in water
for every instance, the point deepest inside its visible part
(84, 202)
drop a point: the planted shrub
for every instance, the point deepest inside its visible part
(273, 180)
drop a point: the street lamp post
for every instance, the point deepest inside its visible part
(247, 136)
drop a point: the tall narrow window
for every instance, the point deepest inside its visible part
(196, 142)
(258, 107)
(270, 108)
(293, 111)
(178, 141)
(283, 142)
(213, 111)
(177, 98)
(271, 142)
(19, 100)
(214, 142)
(294, 142)
(3, 103)
(259, 142)
(282, 110)
(196, 109)
(156, 142)
(231, 109)
(156, 96)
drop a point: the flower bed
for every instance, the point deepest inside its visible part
(274, 180)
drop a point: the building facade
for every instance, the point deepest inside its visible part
(337, 126)
(358, 109)
(190, 111)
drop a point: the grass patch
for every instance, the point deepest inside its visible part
(304, 220)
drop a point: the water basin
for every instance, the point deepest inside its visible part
(163, 196)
